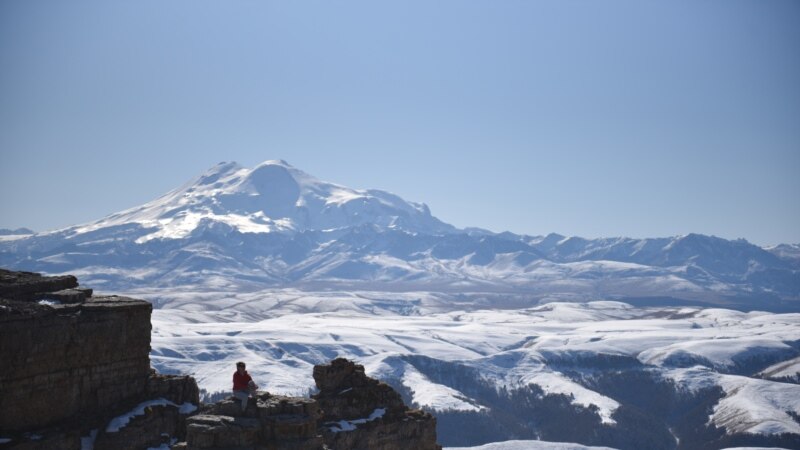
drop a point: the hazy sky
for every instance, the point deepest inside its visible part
(590, 118)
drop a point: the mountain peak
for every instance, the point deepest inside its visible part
(275, 223)
(220, 170)
(275, 162)
(271, 197)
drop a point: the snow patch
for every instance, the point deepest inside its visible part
(121, 422)
(350, 425)
(48, 302)
(183, 225)
(530, 445)
(555, 383)
(435, 396)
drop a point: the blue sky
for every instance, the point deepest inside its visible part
(615, 118)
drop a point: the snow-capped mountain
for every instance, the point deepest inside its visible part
(276, 226)
(272, 197)
(501, 335)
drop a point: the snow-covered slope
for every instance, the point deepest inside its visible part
(272, 197)
(786, 251)
(530, 445)
(543, 445)
(241, 229)
(586, 360)
(273, 266)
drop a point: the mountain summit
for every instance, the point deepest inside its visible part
(271, 197)
(234, 228)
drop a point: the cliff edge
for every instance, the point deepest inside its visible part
(76, 369)
(76, 374)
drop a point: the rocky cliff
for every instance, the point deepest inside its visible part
(76, 367)
(76, 374)
(350, 412)
(362, 413)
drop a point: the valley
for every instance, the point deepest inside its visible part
(598, 373)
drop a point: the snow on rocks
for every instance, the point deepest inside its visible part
(121, 421)
(350, 425)
(530, 445)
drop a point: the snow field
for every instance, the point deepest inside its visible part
(281, 341)
(530, 445)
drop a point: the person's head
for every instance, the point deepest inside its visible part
(240, 367)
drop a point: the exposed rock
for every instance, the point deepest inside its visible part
(75, 370)
(151, 429)
(269, 422)
(178, 389)
(211, 431)
(47, 440)
(75, 295)
(23, 285)
(346, 392)
(69, 360)
(74, 362)
(357, 413)
(364, 413)
(157, 423)
(290, 421)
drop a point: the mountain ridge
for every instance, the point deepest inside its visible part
(275, 225)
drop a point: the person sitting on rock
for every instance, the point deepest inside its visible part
(243, 384)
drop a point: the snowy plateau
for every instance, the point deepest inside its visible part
(689, 342)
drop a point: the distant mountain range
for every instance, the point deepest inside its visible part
(18, 231)
(235, 228)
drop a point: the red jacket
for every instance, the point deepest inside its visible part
(240, 381)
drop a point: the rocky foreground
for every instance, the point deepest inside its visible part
(351, 411)
(76, 375)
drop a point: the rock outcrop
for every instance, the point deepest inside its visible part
(72, 363)
(350, 412)
(270, 422)
(363, 413)
(75, 374)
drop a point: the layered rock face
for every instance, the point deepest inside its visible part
(70, 359)
(71, 362)
(270, 422)
(363, 413)
(350, 412)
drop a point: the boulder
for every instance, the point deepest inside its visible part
(24, 285)
(346, 392)
(156, 426)
(361, 413)
(178, 389)
(214, 431)
(275, 422)
(76, 295)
